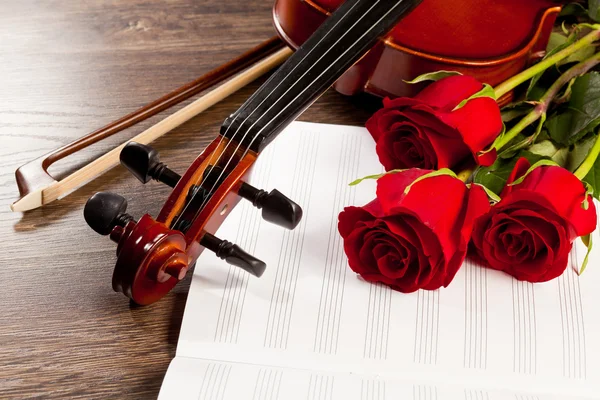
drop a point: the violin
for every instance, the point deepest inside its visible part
(153, 254)
(490, 40)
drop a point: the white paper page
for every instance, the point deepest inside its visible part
(193, 378)
(310, 311)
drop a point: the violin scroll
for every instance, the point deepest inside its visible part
(151, 259)
(154, 254)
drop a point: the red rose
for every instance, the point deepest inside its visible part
(530, 232)
(425, 132)
(414, 240)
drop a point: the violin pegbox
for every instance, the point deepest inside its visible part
(154, 254)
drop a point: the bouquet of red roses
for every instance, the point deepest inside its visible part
(511, 187)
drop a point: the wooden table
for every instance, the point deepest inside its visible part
(68, 67)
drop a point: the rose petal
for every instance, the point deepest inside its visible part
(411, 152)
(391, 187)
(479, 123)
(426, 248)
(486, 159)
(521, 167)
(537, 234)
(438, 203)
(394, 149)
(448, 92)
(349, 217)
(565, 193)
(447, 142)
(475, 206)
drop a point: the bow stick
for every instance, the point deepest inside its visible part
(38, 188)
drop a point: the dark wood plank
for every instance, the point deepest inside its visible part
(69, 67)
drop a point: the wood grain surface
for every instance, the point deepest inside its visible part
(68, 67)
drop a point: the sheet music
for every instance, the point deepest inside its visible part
(310, 328)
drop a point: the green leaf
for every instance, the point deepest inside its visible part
(568, 157)
(582, 116)
(594, 10)
(589, 244)
(538, 164)
(556, 40)
(487, 91)
(433, 76)
(561, 157)
(593, 178)
(549, 150)
(578, 152)
(441, 172)
(495, 176)
(545, 148)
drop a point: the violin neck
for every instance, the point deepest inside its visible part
(341, 41)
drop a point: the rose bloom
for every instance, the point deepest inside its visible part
(530, 232)
(425, 132)
(414, 240)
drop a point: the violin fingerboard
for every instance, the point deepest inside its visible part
(342, 40)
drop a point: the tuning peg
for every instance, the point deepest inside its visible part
(104, 211)
(233, 254)
(276, 207)
(143, 162)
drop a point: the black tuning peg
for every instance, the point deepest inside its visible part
(143, 162)
(276, 207)
(233, 254)
(103, 211)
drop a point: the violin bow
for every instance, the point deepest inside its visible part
(37, 187)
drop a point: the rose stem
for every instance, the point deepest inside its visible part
(589, 161)
(543, 65)
(542, 107)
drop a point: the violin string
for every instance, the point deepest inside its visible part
(212, 166)
(247, 131)
(306, 88)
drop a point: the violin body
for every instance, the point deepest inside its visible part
(490, 40)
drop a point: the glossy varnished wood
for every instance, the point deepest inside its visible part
(488, 39)
(67, 68)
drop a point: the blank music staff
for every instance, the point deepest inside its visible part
(290, 255)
